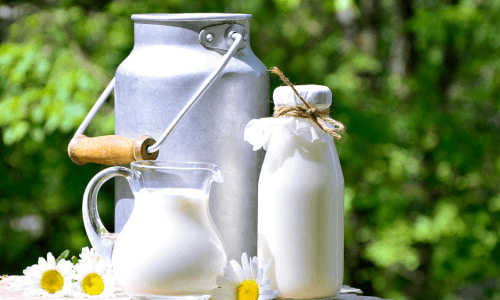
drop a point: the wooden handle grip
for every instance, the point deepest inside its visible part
(110, 149)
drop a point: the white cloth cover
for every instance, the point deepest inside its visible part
(318, 96)
(258, 132)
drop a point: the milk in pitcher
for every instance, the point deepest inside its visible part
(169, 243)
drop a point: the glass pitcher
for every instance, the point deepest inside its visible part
(169, 247)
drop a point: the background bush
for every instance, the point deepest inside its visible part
(416, 82)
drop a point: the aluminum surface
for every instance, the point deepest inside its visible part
(164, 70)
(207, 83)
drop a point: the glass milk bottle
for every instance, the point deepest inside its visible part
(300, 195)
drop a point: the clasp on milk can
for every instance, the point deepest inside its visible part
(219, 37)
(118, 150)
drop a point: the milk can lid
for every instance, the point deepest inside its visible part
(318, 96)
(189, 17)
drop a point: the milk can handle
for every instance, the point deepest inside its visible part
(101, 239)
(83, 149)
(110, 149)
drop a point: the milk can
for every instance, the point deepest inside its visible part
(180, 56)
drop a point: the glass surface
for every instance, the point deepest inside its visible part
(169, 248)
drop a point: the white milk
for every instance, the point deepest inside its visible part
(169, 245)
(301, 199)
(301, 217)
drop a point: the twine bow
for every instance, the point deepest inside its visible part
(319, 116)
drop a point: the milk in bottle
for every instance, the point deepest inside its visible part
(300, 198)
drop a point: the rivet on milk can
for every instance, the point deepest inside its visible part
(196, 63)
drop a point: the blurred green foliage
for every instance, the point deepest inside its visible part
(417, 84)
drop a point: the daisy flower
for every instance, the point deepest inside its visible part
(92, 275)
(244, 282)
(48, 277)
(89, 254)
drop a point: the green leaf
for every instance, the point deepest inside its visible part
(63, 255)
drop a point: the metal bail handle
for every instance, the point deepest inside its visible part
(117, 150)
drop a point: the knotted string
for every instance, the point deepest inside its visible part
(319, 116)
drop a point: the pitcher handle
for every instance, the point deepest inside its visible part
(100, 238)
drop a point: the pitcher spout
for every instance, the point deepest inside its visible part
(216, 173)
(207, 173)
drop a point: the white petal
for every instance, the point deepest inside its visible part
(64, 267)
(36, 292)
(64, 292)
(263, 271)
(261, 276)
(268, 294)
(266, 267)
(246, 266)
(33, 272)
(85, 252)
(31, 285)
(237, 270)
(27, 270)
(256, 259)
(42, 261)
(231, 274)
(265, 282)
(244, 257)
(109, 285)
(50, 259)
(254, 264)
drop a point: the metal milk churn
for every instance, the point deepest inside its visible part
(176, 56)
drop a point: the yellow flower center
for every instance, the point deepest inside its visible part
(52, 281)
(247, 290)
(93, 284)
